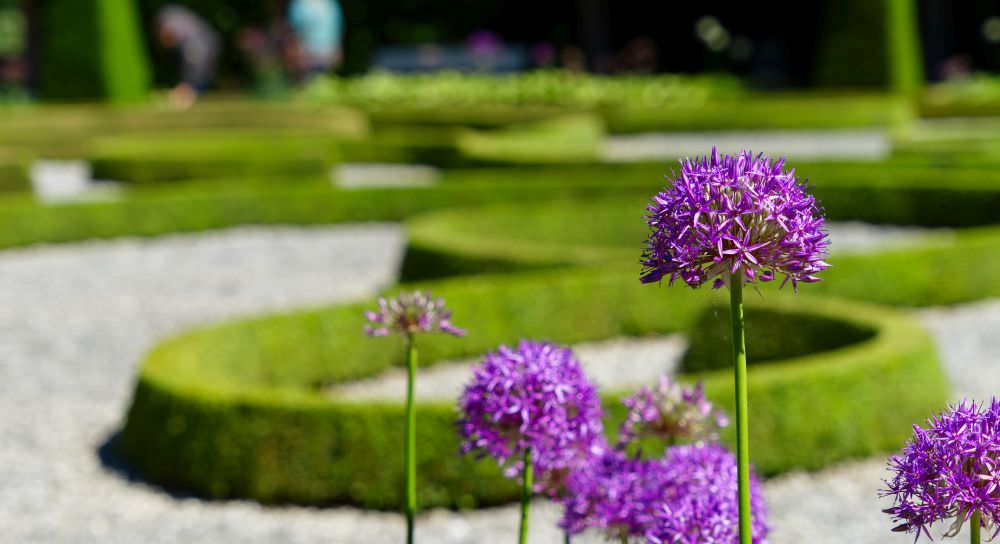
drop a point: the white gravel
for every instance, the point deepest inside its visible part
(857, 237)
(802, 144)
(76, 320)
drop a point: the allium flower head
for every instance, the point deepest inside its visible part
(410, 313)
(671, 412)
(727, 215)
(698, 504)
(613, 494)
(535, 396)
(686, 497)
(948, 471)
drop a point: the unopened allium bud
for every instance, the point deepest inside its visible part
(410, 313)
(672, 413)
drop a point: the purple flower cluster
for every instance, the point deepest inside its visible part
(686, 497)
(725, 215)
(948, 471)
(535, 396)
(410, 313)
(671, 412)
(612, 493)
(698, 505)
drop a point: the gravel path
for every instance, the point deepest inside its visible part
(76, 319)
(802, 144)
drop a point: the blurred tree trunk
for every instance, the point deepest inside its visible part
(91, 49)
(593, 30)
(906, 72)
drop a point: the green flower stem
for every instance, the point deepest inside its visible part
(410, 446)
(974, 528)
(526, 485)
(566, 537)
(742, 433)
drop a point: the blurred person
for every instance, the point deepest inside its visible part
(197, 42)
(543, 56)
(956, 67)
(264, 48)
(639, 55)
(484, 47)
(13, 45)
(573, 59)
(318, 26)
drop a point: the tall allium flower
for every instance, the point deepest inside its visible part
(735, 219)
(727, 215)
(671, 412)
(949, 472)
(531, 408)
(686, 497)
(409, 314)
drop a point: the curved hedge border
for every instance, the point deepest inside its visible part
(198, 206)
(505, 237)
(944, 270)
(238, 410)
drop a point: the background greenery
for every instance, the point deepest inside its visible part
(243, 409)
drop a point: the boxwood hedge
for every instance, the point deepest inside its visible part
(240, 409)
(197, 206)
(505, 237)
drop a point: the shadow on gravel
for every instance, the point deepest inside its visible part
(112, 459)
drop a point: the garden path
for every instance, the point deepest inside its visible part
(804, 145)
(75, 320)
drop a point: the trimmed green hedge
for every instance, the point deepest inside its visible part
(543, 88)
(196, 206)
(625, 104)
(14, 177)
(150, 158)
(145, 157)
(776, 335)
(977, 96)
(239, 410)
(774, 111)
(70, 130)
(505, 238)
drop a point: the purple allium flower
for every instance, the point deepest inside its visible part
(410, 313)
(612, 493)
(948, 471)
(725, 215)
(698, 504)
(671, 412)
(535, 396)
(687, 496)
